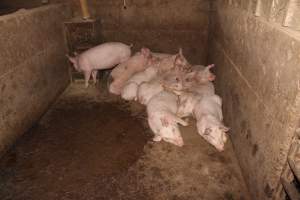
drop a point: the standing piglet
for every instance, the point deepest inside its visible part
(103, 56)
(124, 71)
(208, 113)
(129, 91)
(162, 119)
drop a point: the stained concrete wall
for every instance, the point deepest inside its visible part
(258, 75)
(162, 25)
(33, 67)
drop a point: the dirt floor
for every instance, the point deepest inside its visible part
(91, 145)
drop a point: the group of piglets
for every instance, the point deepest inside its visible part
(168, 85)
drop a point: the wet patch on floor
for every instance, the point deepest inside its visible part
(91, 145)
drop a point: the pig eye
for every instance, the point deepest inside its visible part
(207, 132)
(177, 79)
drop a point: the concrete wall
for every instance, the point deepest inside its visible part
(161, 25)
(27, 3)
(258, 75)
(33, 67)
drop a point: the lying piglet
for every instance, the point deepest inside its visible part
(170, 62)
(129, 92)
(208, 113)
(187, 103)
(103, 56)
(122, 67)
(199, 81)
(135, 64)
(196, 84)
(173, 81)
(162, 119)
(160, 55)
(205, 75)
(149, 89)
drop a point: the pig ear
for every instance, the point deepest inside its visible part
(208, 67)
(180, 52)
(224, 128)
(72, 59)
(178, 60)
(145, 51)
(211, 77)
(191, 74)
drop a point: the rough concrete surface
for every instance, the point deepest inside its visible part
(258, 77)
(257, 66)
(159, 25)
(33, 68)
(91, 145)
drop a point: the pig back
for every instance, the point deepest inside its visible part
(209, 105)
(162, 102)
(106, 55)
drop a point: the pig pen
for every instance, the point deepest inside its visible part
(62, 141)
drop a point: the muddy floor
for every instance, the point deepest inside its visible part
(91, 145)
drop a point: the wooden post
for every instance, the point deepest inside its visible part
(85, 9)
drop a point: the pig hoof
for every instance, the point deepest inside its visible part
(186, 123)
(157, 139)
(180, 145)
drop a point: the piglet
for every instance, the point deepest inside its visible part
(103, 56)
(129, 92)
(124, 71)
(199, 80)
(149, 89)
(160, 55)
(187, 103)
(122, 67)
(208, 113)
(177, 61)
(162, 119)
(173, 81)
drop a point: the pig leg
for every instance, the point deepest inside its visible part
(173, 117)
(87, 75)
(141, 100)
(155, 128)
(94, 75)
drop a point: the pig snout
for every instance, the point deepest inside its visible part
(179, 142)
(220, 148)
(176, 141)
